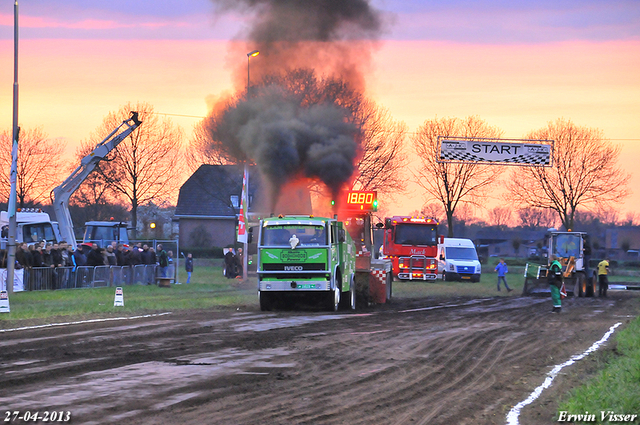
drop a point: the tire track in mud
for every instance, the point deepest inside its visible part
(412, 363)
(409, 372)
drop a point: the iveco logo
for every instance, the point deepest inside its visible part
(292, 268)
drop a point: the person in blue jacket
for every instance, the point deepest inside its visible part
(502, 270)
(188, 266)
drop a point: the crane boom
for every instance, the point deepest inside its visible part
(62, 193)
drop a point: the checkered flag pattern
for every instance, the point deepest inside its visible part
(532, 158)
(380, 275)
(362, 251)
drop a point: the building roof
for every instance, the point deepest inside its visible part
(492, 236)
(207, 194)
(208, 191)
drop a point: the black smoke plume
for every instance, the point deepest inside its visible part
(286, 138)
(287, 141)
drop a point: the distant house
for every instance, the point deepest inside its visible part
(493, 243)
(622, 237)
(622, 242)
(209, 204)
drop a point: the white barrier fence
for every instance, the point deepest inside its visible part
(48, 278)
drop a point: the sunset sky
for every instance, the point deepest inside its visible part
(517, 65)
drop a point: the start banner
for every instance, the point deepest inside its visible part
(503, 151)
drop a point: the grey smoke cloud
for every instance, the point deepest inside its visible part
(287, 141)
(272, 128)
(305, 20)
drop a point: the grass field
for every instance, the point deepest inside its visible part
(210, 289)
(616, 388)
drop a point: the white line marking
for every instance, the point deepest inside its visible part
(50, 325)
(512, 417)
(477, 301)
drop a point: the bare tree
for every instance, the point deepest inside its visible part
(95, 198)
(607, 215)
(453, 183)
(584, 173)
(146, 166)
(631, 219)
(202, 149)
(381, 166)
(39, 166)
(536, 217)
(500, 217)
(466, 214)
(433, 210)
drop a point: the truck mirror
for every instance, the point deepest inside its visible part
(387, 223)
(379, 225)
(341, 235)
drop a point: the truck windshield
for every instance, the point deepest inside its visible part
(566, 246)
(37, 232)
(460, 253)
(105, 234)
(415, 234)
(307, 235)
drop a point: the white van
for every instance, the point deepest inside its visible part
(458, 260)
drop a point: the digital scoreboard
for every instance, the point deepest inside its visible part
(362, 200)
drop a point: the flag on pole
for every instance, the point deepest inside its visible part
(242, 228)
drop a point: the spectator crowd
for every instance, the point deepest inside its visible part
(43, 255)
(63, 255)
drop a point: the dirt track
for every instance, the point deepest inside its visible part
(411, 362)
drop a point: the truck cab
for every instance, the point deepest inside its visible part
(33, 226)
(305, 257)
(458, 260)
(103, 233)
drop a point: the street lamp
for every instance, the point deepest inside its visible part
(245, 188)
(249, 56)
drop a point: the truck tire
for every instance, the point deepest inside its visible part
(389, 286)
(333, 299)
(588, 289)
(361, 281)
(265, 301)
(349, 303)
(581, 285)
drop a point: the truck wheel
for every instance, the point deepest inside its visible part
(581, 286)
(588, 289)
(361, 283)
(352, 294)
(389, 286)
(349, 303)
(333, 299)
(265, 301)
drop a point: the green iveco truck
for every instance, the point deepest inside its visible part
(305, 257)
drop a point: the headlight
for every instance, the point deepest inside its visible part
(452, 267)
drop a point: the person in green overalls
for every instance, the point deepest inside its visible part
(554, 277)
